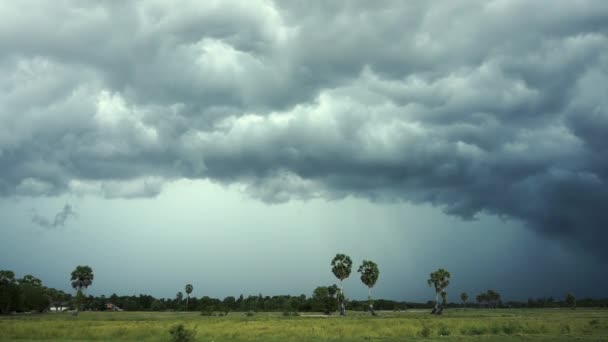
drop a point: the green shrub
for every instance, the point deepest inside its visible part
(510, 328)
(181, 334)
(444, 331)
(425, 332)
(565, 329)
(250, 313)
(473, 331)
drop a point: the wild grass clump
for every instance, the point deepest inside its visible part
(474, 331)
(180, 334)
(425, 332)
(510, 328)
(205, 312)
(443, 330)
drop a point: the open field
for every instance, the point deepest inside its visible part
(454, 325)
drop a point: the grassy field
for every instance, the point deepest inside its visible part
(454, 325)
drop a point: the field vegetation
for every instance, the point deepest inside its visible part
(453, 325)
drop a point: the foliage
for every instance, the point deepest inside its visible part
(181, 334)
(490, 298)
(570, 300)
(440, 280)
(324, 299)
(369, 273)
(188, 289)
(341, 266)
(82, 277)
(490, 325)
(464, 297)
(425, 331)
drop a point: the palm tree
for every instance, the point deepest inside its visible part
(464, 297)
(189, 289)
(341, 267)
(369, 275)
(82, 278)
(439, 279)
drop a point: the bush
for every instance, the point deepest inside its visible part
(250, 313)
(207, 312)
(444, 331)
(510, 328)
(473, 331)
(565, 329)
(425, 332)
(181, 334)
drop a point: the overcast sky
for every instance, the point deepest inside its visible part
(239, 145)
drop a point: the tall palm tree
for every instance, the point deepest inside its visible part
(369, 275)
(439, 279)
(82, 278)
(189, 289)
(341, 267)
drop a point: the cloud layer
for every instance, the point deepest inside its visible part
(471, 106)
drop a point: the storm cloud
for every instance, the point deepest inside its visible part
(494, 107)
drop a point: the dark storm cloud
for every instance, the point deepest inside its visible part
(471, 106)
(58, 221)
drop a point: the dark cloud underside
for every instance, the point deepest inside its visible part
(471, 106)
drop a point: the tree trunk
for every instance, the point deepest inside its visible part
(436, 308)
(369, 299)
(341, 300)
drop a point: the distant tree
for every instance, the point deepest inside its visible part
(341, 267)
(440, 280)
(369, 275)
(157, 305)
(82, 278)
(179, 296)
(189, 289)
(30, 279)
(9, 292)
(464, 297)
(484, 298)
(493, 298)
(324, 300)
(34, 295)
(571, 300)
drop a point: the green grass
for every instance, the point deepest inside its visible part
(454, 325)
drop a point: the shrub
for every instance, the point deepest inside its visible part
(181, 334)
(444, 331)
(425, 332)
(206, 312)
(510, 328)
(565, 328)
(473, 330)
(250, 313)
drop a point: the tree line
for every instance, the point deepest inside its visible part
(28, 294)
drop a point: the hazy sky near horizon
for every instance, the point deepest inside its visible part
(239, 145)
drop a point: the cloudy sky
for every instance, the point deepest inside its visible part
(239, 145)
